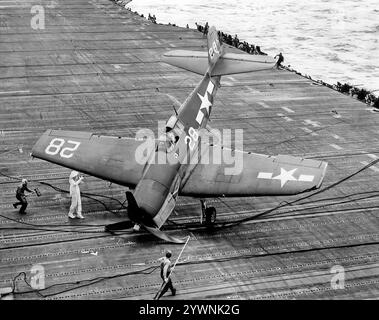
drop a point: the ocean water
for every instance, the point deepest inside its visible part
(330, 40)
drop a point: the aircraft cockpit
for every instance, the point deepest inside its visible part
(168, 140)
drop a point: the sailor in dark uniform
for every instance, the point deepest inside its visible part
(166, 266)
(279, 61)
(21, 197)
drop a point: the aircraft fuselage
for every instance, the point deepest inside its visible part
(175, 148)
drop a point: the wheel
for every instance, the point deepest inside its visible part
(210, 216)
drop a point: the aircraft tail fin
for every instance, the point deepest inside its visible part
(215, 47)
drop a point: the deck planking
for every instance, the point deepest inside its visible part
(103, 73)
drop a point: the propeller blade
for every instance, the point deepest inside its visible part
(164, 236)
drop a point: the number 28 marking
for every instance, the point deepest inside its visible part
(56, 145)
(214, 48)
(192, 138)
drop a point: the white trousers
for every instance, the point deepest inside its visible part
(76, 204)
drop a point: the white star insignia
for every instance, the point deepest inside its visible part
(285, 176)
(205, 103)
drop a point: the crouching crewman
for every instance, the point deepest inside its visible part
(21, 197)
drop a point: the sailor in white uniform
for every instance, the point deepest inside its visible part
(76, 201)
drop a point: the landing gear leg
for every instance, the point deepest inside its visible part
(208, 214)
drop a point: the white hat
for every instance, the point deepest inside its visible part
(24, 181)
(73, 174)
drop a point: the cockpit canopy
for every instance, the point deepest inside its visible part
(171, 123)
(168, 140)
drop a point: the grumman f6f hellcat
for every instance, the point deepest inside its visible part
(157, 184)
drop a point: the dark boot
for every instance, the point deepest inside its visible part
(23, 206)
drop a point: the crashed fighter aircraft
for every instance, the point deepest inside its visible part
(157, 185)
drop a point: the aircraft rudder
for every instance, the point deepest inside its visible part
(215, 49)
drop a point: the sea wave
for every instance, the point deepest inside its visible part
(331, 40)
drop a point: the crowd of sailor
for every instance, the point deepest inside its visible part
(233, 41)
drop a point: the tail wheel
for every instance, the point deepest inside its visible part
(210, 216)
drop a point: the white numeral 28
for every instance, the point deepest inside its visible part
(192, 138)
(56, 145)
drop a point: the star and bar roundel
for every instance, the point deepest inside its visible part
(285, 176)
(205, 102)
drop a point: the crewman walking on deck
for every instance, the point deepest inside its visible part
(166, 266)
(76, 201)
(280, 60)
(21, 197)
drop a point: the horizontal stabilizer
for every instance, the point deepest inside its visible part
(229, 63)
